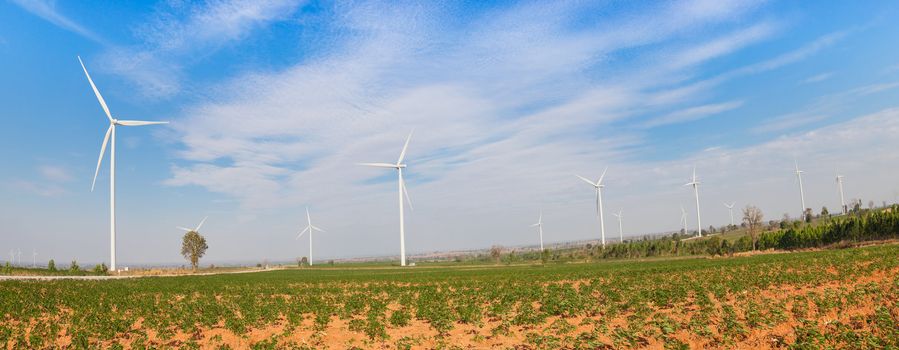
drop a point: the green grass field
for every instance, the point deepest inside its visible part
(833, 298)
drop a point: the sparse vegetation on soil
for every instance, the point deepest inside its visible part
(833, 298)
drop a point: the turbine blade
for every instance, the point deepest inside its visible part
(96, 92)
(379, 165)
(403, 153)
(406, 193)
(585, 180)
(201, 224)
(308, 218)
(317, 228)
(138, 123)
(535, 225)
(184, 229)
(102, 152)
(602, 176)
(308, 228)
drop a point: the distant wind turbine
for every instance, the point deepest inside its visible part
(399, 166)
(20, 256)
(683, 218)
(695, 183)
(110, 134)
(843, 207)
(310, 228)
(730, 208)
(620, 231)
(33, 258)
(598, 185)
(801, 192)
(197, 229)
(12, 256)
(539, 226)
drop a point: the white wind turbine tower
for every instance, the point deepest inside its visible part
(399, 166)
(620, 216)
(801, 192)
(110, 134)
(730, 208)
(19, 253)
(842, 199)
(598, 185)
(683, 218)
(33, 258)
(695, 183)
(539, 226)
(310, 228)
(197, 230)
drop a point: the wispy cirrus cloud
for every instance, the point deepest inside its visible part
(47, 10)
(693, 113)
(821, 108)
(506, 106)
(176, 36)
(50, 181)
(817, 78)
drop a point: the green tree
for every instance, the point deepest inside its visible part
(825, 212)
(74, 266)
(51, 265)
(193, 247)
(101, 269)
(544, 256)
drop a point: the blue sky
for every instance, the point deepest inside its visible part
(272, 103)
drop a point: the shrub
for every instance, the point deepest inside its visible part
(51, 265)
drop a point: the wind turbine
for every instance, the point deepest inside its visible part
(33, 258)
(20, 256)
(695, 183)
(110, 134)
(619, 216)
(12, 256)
(539, 226)
(399, 166)
(683, 218)
(309, 228)
(842, 199)
(730, 208)
(801, 192)
(598, 186)
(197, 230)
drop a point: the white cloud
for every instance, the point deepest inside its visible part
(55, 173)
(185, 32)
(790, 121)
(693, 113)
(724, 45)
(46, 9)
(505, 111)
(817, 78)
(49, 183)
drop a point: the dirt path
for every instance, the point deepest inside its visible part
(117, 277)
